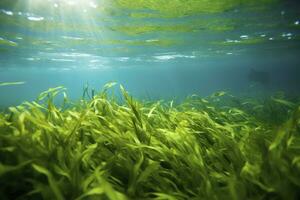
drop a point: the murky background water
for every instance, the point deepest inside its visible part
(155, 48)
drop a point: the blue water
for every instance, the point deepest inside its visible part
(156, 52)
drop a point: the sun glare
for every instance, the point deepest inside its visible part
(84, 4)
(76, 3)
(67, 19)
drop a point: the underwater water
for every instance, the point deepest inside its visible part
(149, 99)
(163, 51)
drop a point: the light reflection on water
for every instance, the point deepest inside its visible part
(182, 43)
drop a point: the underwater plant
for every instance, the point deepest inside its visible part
(11, 83)
(101, 147)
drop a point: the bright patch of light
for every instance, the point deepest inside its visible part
(165, 57)
(123, 59)
(93, 5)
(76, 55)
(72, 38)
(8, 42)
(70, 15)
(153, 40)
(7, 12)
(32, 59)
(94, 61)
(232, 41)
(297, 23)
(286, 34)
(72, 3)
(244, 36)
(32, 18)
(170, 57)
(81, 3)
(62, 60)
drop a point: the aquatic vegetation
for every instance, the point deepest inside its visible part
(103, 147)
(251, 41)
(187, 27)
(177, 8)
(7, 42)
(11, 83)
(201, 25)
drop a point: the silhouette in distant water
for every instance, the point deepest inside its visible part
(260, 77)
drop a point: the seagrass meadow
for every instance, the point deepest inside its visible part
(149, 100)
(104, 147)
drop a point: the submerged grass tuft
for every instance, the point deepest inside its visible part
(219, 147)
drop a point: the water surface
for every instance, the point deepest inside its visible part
(156, 48)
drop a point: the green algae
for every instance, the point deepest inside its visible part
(11, 83)
(218, 147)
(187, 27)
(250, 41)
(179, 8)
(135, 23)
(4, 42)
